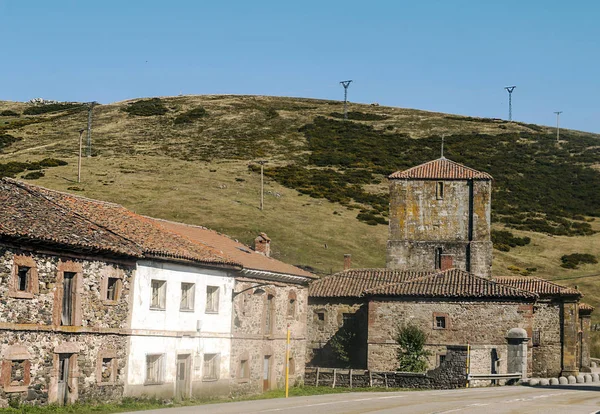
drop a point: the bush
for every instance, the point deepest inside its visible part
(46, 108)
(11, 169)
(503, 240)
(6, 140)
(360, 116)
(8, 112)
(412, 355)
(572, 261)
(190, 116)
(146, 107)
(34, 175)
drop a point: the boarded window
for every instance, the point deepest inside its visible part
(113, 288)
(187, 296)
(159, 294)
(244, 369)
(107, 370)
(291, 310)
(154, 369)
(68, 299)
(210, 371)
(212, 299)
(536, 338)
(269, 314)
(291, 366)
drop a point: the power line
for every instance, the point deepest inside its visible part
(345, 84)
(510, 90)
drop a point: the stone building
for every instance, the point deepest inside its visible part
(155, 308)
(438, 277)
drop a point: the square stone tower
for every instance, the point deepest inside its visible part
(440, 215)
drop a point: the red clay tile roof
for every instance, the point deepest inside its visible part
(585, 307)
(239, 252)
(537, 285)
(25, 214)
(451, 283)
(353, 282)
(441, 169)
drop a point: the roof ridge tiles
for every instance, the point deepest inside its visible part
(441, 168)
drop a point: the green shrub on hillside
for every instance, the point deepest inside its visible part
(11, 169)
(6, 140)
(190, 116)
(8, 112)
(572, 261)
(503, 240)
(47, 108)
(34, 175)
(359, 116)
(146, 107)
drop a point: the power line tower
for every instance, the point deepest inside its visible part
(510, 90)
(345, 84)
(558, 125)
(89, 127)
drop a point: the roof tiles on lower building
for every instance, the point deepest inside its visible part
(537, 285)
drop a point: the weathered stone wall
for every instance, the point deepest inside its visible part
(420, 222)
(477, 323)
(546, 357)
(27, 323)
(320, 332)
(252, 340)
(449, 374)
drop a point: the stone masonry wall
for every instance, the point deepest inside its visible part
(546, 357)
(320, 332)
(26, 325)
(477, 323)
(252, 341)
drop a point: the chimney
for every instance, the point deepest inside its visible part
(447, 262)
(262, 244)
(347, 261)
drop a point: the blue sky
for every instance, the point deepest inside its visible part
(451, 56)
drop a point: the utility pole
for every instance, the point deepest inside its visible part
(89, 128)
(262, 183)
(510, 90)
(558, 125)
(79, 161)
(345, 84)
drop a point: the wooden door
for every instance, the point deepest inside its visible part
(62, 395)
(67, 302)
(182, 382)
(267, 373)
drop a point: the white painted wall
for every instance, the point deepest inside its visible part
(215, 332)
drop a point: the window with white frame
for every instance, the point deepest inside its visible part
(159, 294)
(212, 299)
(187, 296)
(210, 369)
(154, 369)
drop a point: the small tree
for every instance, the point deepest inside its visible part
(412, 355)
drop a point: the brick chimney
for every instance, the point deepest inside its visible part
(447, 262)
(347, 261)
(262, 244)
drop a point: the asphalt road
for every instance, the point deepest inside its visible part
(573, 399)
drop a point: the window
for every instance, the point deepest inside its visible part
(69, 279)
(438, 257)
(107, 369)
(291, 366)
(154, 369)
(24, 279)
(106, 366)
(291, 310)
(187, 296)
(348, 320)
(159, 294)
(210, 371)
(319, 319)
(16, 369)
(244, 369)
(441, 359)
(439, 190)
(212, 299)
(112, 289)
(321, 316)
(269, 315)
(440, 321)
(67, 296)
(536, 338)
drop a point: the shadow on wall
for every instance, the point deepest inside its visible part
(347, 348)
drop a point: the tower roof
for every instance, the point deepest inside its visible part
(441, 169)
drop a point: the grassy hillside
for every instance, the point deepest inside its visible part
(193, 159)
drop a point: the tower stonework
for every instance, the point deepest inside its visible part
(440, 215)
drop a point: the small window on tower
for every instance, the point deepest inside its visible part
(439, 190)
(438, 257)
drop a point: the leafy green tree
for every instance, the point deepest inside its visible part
(412, 355)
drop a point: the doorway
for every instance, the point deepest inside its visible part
(64, 376)
(182, 382)
(267, 373)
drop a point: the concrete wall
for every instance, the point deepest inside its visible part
(173, 331)
(252, 341)
(29, 332)
(420, 222)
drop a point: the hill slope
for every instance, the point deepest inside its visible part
(192, 159)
